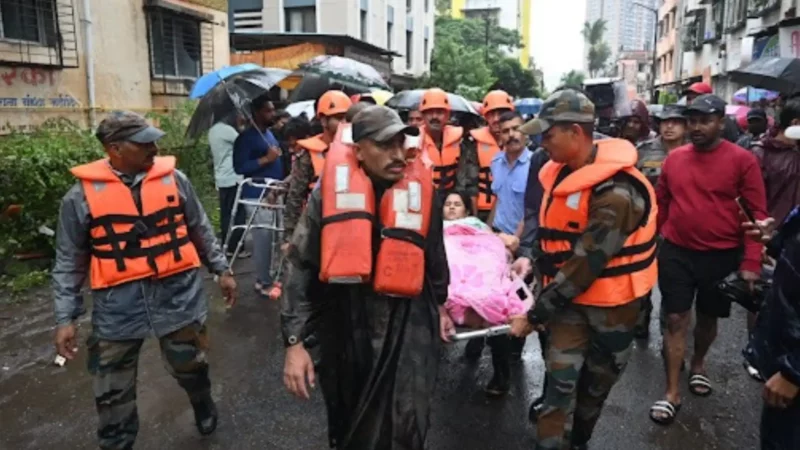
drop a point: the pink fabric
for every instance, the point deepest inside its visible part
(481, 277)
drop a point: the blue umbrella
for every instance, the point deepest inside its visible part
(528, 106)
(211, 80)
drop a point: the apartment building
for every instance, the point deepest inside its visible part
(80, 59)
(401, 30)
(723, 35)
(630, 24)
(668, 48)
(510, 14)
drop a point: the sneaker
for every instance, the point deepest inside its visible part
(205, 415)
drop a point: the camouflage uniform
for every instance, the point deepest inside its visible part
(588, 346)
(468, 167)
(302, 176)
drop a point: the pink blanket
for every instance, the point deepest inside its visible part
(481, 277)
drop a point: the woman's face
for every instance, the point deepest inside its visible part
(454, 208)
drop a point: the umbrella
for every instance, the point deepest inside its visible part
(380, 96)
(528, 106)
(232, 91)
(409, 100)
(326, 72)
(751, 94)
(773, 73)
(297, 108)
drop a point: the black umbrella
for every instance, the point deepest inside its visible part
(410, 100)
(326, 72)
(231, 93)
(773, 73)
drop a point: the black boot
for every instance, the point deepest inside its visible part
(535, 409)
(501, 362)
(205, 415)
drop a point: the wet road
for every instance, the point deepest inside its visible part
(43, 406)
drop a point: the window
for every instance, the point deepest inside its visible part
(409, 49)
(425, 50)
(301, 20)
(363, 25)
(29, 20)
(174, 44)
(409, 5)
(736, 14)
(427, 5)
(389, 35)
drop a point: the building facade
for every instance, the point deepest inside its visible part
(630, 24)
(510, 14)
(59, 59)
(668, 48)
(719, 36)
(402, 27)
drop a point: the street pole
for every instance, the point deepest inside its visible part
(486, 35)
(653, 98)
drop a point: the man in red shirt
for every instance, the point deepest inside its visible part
(703, 242)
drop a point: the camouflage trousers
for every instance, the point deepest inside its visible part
(588, 349)
(114, 364)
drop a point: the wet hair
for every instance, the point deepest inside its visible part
(316, 127)
(259, 102)
(282, 114)
(790, 111)
(297, 128)
(510, 115)
(465, 199)
(355, 109)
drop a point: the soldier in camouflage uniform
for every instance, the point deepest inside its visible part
(590, 300)
(652, 153)
(134, 302)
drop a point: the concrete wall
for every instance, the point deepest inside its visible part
(121, 64)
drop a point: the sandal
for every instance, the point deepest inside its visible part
(669, 409)
(700, 385)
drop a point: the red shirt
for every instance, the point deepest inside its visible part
(696, 199)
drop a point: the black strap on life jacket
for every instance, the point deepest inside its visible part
(485, 183)
(350, 215)
(445, 176)
(404, 234)
(144, 227)
(548, 263)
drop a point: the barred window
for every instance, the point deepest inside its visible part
(175, 44)
(29, 20)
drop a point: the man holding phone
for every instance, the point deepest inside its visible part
(703, 242)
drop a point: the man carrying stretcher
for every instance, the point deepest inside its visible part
(368, 276)
(597, 237)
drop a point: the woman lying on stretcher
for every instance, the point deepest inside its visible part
(483, 290)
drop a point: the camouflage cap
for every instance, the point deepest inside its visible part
(380, 124)
(673, 112)
(567, 105)
(127, 126)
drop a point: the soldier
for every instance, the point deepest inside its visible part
(135, 226)
(454, 160)
(596, 238)
(488, 142)
(672, 128)
(307, 166)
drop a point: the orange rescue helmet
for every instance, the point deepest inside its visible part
(434, 98)
(496, 100)
(332, 103)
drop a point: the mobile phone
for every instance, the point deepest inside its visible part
(746, 210)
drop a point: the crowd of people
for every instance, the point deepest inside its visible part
(596, 221)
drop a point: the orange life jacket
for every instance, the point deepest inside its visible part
(487, 147)
(316, 149)
(445, 162)
(348, 217)
(632, 272)
(130, 243)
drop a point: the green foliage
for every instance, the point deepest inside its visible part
(667, 98)
(599, 51)
(469, 60)
(573, 78)
(25, 281)
(34, 173)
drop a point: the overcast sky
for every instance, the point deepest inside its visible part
(556, 41)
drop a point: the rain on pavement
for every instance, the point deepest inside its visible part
(43, 406)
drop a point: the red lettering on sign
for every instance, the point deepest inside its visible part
(8, 76)
(32, 76)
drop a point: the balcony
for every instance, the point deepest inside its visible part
(666, 7)
(666, 43)
(760, 8)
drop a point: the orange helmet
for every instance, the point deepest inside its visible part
(434, 98)
(496, 100)
(332, 103)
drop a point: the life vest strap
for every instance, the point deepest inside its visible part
(137, 251)
(349, 215)
(404, 234)
(548, 263)
(551, 234)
